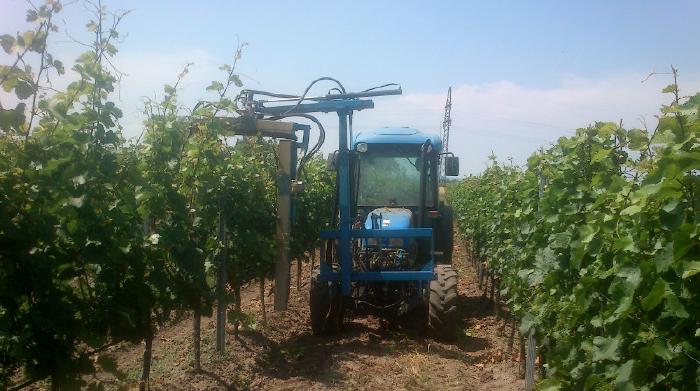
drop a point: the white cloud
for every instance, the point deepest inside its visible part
(514, 120)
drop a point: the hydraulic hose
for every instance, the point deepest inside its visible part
(321, 138)
(306, 91)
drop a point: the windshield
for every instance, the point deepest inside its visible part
(388, 181)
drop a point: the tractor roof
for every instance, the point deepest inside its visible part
(403, 135)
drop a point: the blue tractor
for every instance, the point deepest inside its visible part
(400, 248)
(390, 249)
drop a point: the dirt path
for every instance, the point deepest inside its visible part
(283, 355)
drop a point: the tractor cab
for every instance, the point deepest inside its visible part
(395, 174)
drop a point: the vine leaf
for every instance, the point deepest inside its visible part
(691, 268)
(655, 295)
(606, 348)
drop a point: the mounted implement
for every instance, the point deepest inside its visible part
(391, 249)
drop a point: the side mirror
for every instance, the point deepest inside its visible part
(332, 162)
(451, 166)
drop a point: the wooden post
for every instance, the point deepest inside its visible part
(512, 334)
(147, 356)
(480, 273)
(285, 151)
(148, 338)
(237, 306)
(496, 288)
(299, 273)
(196, 335)
(521, 367)
(530, 361)
(221, 286)
(262, 300)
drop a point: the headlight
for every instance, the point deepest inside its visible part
(361, 147)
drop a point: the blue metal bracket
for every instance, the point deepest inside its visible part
(322, 107)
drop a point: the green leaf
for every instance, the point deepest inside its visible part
(661, 349)
(28, 37)
(560, 240)
(32, 15)
(236, 80)
(638, 139)
(215, 86)
(632, 275)
(7, 42)
(671, 205)
(624, 372)
(12, 119)
(59, 67)
(606, 348)
(625, 243)
(650, 189)
(691, 268)
(664, 258)
(586, 233)
(656, 294)
(23, 89)
(578, 250)
(671, 88)
(607, 129)
(600, 155)
(631, 210)
(673, 307)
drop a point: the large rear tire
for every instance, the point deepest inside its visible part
(442, 303)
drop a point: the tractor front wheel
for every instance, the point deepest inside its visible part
(319, 303)
(321, 306)
(442, 303)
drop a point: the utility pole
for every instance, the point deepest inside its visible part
(446, 123)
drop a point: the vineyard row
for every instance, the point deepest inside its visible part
(103, 240)
(594, 246)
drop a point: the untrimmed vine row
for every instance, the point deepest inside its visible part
(104, 240)
(594, 246)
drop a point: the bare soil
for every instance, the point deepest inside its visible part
(368, 354)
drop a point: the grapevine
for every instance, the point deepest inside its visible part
(123, 236)
(596, 249)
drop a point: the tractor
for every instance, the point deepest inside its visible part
(390, 247)
(401, 235)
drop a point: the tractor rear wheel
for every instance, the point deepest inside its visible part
(323, 311)
(442, 303)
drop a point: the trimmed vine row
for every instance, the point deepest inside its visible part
(594, 245)
(104, 241)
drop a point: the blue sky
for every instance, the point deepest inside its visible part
(524, 73)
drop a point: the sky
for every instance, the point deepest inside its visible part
(522, 73)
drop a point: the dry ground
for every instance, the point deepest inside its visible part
(368, 354)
